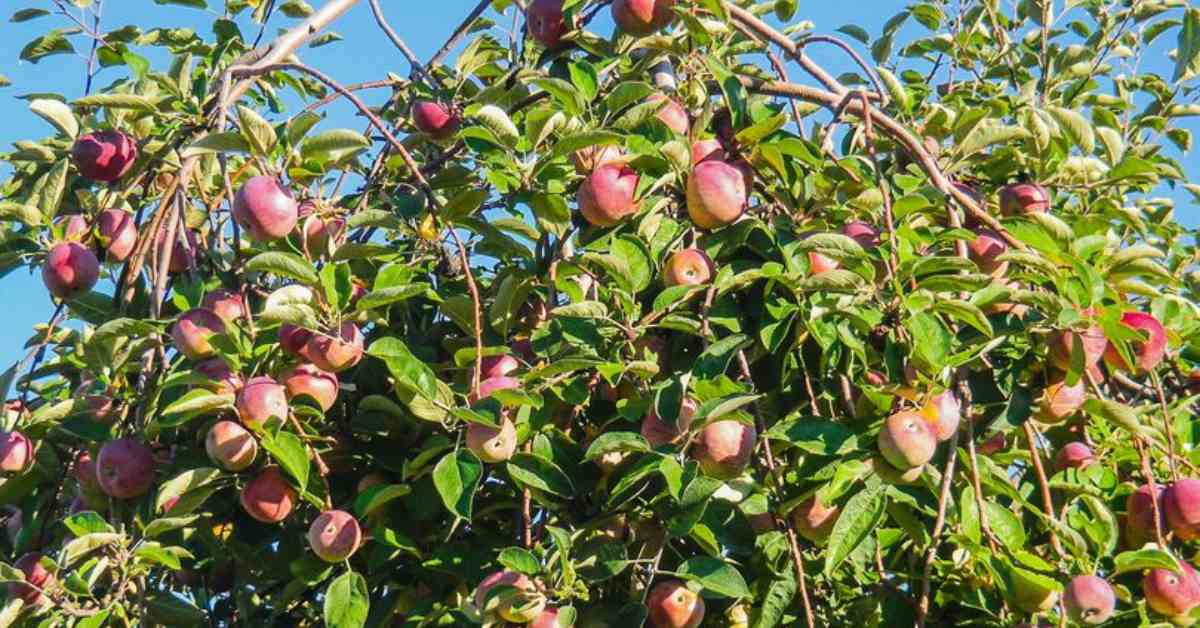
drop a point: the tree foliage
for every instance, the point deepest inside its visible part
(601, 327)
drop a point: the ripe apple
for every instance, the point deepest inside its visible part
(716, 194)
(335, 351)
(124, 468)
(37, 580)
(490, 444)
(265, 209)
(16, 452)
(520, 604)
(943, 412)
(224, 380)
(673, 605)
(71, 269)
(606, 197)
(193, 331)
(1181, 502)
(1147, 354)
(310, 381)
(230, 446)
(985, 248)
(688, 267)
(642, 17)
(1139, 516)
(586, 160)
(671, 113)
(707, 149)
(545, 22)
(1172, 594)
(268, 497)
(117, 233)
(334, 536)
(1089, 600)
(658, 432)
(1060, 401)
(814, 520)
(724, 448)
(863, 233)
(104, 156)
(1024, 198)
(435, 119)
(229, 305)
(259, 400)
(907, 441)
(1074, 455)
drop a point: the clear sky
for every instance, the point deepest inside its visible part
(364, 54)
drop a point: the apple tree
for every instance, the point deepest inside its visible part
(634, 314)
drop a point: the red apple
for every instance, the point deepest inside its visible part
(1089, 600)
(125, 468)
(1062, 346)
(1147, 354)
(943, 412)
(230, 306)
(1074, 456)
(259, 400)
(673, 605)
(1059, 401)
(268, 498)
(265, 209)
(906, 440)
(224, 380)
(334, 536)
(37, 580)
(606, 197)
(490, 444)
(104, 156)
(434, 119)
(545, 22)
(308, 380)
(1181, 502)
(688, 267)
(863, 233)
(71, 269)
(642, 17)
(1024, 198)
(194, 330)
(671, 113)
(586, 160)
(658, 432)
(230, 446)
(519, 604)
(716, 194)
(724, 448)
(1139, 516)
(985, 248)
(818, 263)
(1172, 594)
(335, 351)
(117, 233)
(292, 339)
(706, 150)
(16, 452)
(814, 520)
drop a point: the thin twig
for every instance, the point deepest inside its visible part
(1031, 441)
(413, 62)
(1168, 428)
(938, 525)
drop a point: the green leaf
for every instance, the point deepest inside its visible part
(537, 472)
(58, 114)
(86, 523)
(334, 145)
(284, 264)
(521, 560)
(1187, 63)
(52, 43)
(1143, 559)
(257, 131)
(718, 578)
(859, 518)
(373, 498)
(117, 101)
(190, 481)
(456, 477)
(224, 142)
(616, 441)
(288, 450)
(25, 15)
(966, 313)
(409, 371)
(347, 601)
(815, 436)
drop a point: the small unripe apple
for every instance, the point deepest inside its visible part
(642, 17)
(606, 197)
(673, 605)
(334, 536)
(724, 448)
(104, 156)
(943, 412)
(1147, 354)
(658, 432)
(716, 194)
(259, 400)
(814, 520)
(545, 22)
(519, 604)
(117, 233)
(1060, 401)
(37, 580)
(1024, 198)
(1139, 516)
(230, 446)
(1181, 502)
(688, 267)
(906, 440)
(435, 119)
(337, 350)
(1171, 594)
(1089, 600)
(193, 331)
(268, 497)
(125, 468)
(1074, 455)
(71, 269)
(671, 113)
(16, 452)
(308, 380)
(265, 209)
(491, 444)
(985, 248)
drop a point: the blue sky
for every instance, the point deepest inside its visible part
(364, 54)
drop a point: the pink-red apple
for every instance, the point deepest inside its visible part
(985, 249)
(1060, 401)
(265, 209)
(1024, 198)
(125, 468)
(334, 536)
(606, 197)
(435, 119)
(492, 444)
(658, 432)
(104, 156)
(16, 452)
(117, 233)
(907, 441)
(520, 603)
(268, 497)
(1148, 353)
(1074, 455)
(259, 400)
(37, 580)
(1181, 502)
(642, 17)
(1089, 600)
(688, 267)
(71, 269)
(1139, 516)
(814, 520)
(724, 448)
(1172, 594)
(230, 446)
(310, 381)
(545, 22)
(193, 332)
(336, 350)
(716, 194)
(673, 605)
